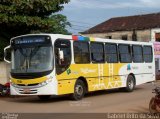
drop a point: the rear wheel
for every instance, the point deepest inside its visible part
(79, 90)
(130, 84)
(44, 97)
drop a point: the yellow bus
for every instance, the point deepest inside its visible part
(55, 64)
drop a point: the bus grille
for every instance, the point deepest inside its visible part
(35, 84)
(28, 91)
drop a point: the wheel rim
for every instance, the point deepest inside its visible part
(131, 84)
(79, 90)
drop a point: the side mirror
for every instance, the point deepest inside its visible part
(5, 54)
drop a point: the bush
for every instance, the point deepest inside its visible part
(3, 43)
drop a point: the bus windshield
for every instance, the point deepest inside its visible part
(32, 60)
(31, 54)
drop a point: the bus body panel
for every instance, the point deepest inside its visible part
(100, 81)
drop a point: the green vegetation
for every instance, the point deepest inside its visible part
(19, 17)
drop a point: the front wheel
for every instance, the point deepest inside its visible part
(130, 84)
(79, 90)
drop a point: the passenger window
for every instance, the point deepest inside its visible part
(137, 54)
(125, 54)
(147, 54)
(81, 52)
(97, 52)
(111, 53)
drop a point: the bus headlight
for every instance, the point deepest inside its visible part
(46, 82)
(42, 84)
(14, 85)
(49, 79)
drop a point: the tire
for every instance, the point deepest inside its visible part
(79, 90)
(130, 84)
(44, 97)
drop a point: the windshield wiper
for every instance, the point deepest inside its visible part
(27, 58)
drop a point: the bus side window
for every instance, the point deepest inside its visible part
(111, 53)
(125, 53)
(148, 54)
(137, 54)
(62, 49)
(81, 52)
(97, 52)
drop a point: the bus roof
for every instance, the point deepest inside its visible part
(85, 38)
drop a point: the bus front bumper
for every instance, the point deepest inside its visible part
(48, 89)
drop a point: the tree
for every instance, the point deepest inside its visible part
(19, 17)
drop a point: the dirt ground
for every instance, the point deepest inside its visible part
(110, 101)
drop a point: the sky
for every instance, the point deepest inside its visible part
(84, 14)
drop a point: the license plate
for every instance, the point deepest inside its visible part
(26, 90)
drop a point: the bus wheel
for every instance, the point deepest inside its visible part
(44, 97)
(79, 90)
(130, 84)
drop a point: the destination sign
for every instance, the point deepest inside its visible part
(31, 40)
(28, 41)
